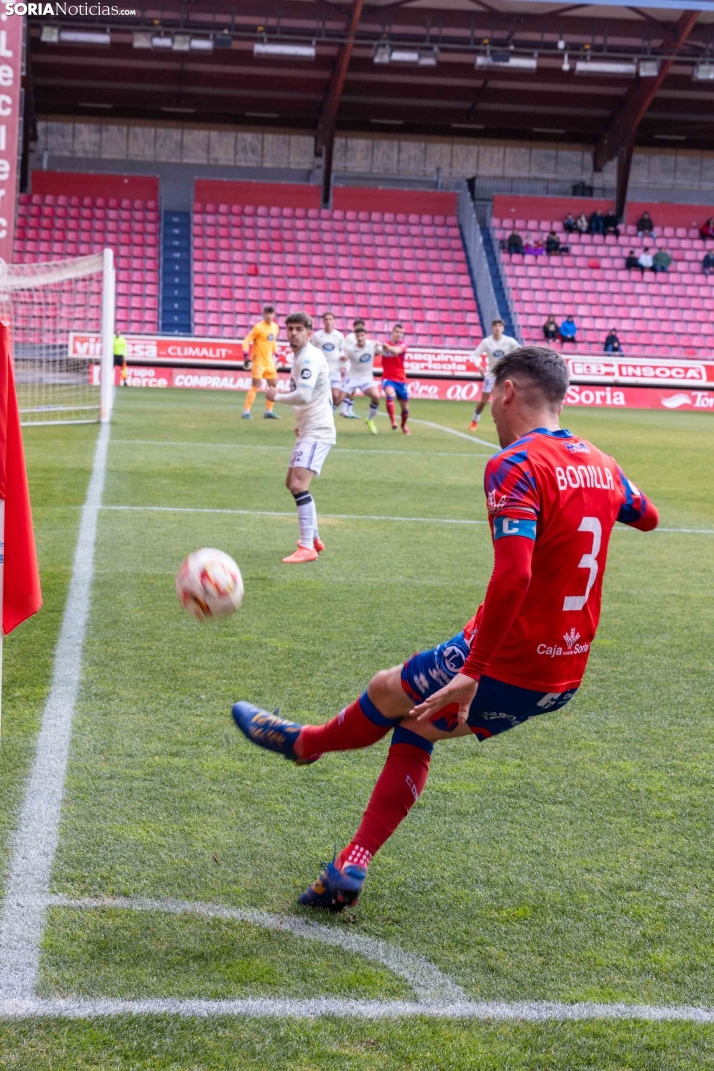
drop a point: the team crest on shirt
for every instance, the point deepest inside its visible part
(494, 502)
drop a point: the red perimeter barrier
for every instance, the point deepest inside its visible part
(459, 390)
(84, 184)
(346, 198)
(511, 206)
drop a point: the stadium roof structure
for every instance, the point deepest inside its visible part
(611, 75)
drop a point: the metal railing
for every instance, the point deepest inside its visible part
(506, 288)
(473, 243)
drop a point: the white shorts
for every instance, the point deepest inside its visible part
(309, 455)
(489, 381)
(352, 384)
(336, 380)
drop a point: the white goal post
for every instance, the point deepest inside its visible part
(42, 304)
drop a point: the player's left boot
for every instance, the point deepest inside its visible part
(270, 415)
(318, 544)
(245, 415)
(473, 426)
(349, 416)
(302, 554)
(269, 731)
(371, 425)
(406, 430)
(335, 889)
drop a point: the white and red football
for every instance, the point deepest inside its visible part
(209, 584)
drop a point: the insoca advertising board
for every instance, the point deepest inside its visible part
(158, 350)
(458, 390)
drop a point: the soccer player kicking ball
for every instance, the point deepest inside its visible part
(394, 376)
(493, 348)
(263, 337)
(553, 500)
(311, 398)
(360, 372)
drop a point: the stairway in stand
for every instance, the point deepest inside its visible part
(176, 273)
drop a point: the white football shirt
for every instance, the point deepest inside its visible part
(332, 344)
(495, 350)
(315, 422)
(360, 359)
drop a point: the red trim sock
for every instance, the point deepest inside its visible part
(398, 787)
(405, 416)
(358, 725)
(390, 409)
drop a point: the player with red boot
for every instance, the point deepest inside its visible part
(553, 500)
(394, 376)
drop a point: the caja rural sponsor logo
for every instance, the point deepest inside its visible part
(572, 647)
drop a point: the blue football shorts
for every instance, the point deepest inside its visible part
(400, 389)
(496, 706)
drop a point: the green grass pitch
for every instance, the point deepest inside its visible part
(570, 860)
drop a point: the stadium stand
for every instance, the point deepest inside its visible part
(655, 314)
(60, 225)
(382, 265)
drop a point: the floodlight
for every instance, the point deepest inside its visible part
(410, 57)
(159, 41)
(604, 67)
(514, 63)
(648, 68)
(50, 35)
(181, 42)
(201, 44)
(263, 48)
(86, 37)
(382, 53)
(142, 39)
(703, 72)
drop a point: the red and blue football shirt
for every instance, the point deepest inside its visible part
(565, 495)
(393, 364)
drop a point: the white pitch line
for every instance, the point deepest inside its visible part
(427, 981)
(287, 447)
(536, 1011)
(278, 513)
(453, 431)
(35, 841)
(357, 517)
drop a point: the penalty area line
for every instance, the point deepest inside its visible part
(278, 513)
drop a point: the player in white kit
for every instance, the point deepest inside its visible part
(493, 347)
(332, 343)
(360, 372)
(311, 399)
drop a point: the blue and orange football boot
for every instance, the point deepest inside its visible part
(335, 889)
(270, 731)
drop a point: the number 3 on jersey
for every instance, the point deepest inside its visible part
(588, 561)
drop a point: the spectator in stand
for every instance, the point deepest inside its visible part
(632, 260)
(514, 243)
(552, 244)
(582, 223)
(707, 229)
(596, 224)
(534, 247)
(612, 342)
(550, 329)
(568, 329)
(661, 261)
(645, 226)
(569, 224)
(610, 224)
(708, 263)
(644, 261)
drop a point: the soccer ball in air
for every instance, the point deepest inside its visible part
(209, 584)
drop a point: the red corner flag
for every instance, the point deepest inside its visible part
(21, 595)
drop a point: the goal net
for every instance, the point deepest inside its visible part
(43, 305)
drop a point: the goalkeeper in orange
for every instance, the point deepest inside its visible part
(263, 337)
